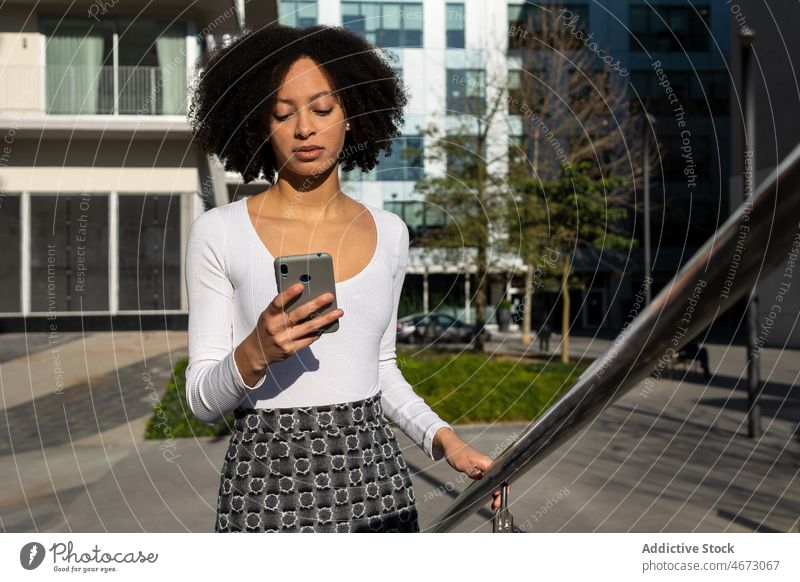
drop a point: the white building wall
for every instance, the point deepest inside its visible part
(425, 77)
(329, 12)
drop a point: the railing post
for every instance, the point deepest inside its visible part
(747, 37)
(116, 73)
(649, 120)
(152, 90)
(73, 93)
(503, 520)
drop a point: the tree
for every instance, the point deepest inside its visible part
(573, 106)
(582, 224)
(471, 192)
(575, 124)
(574, 109)
(528, 233)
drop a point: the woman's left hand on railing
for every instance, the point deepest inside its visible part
(463, 457)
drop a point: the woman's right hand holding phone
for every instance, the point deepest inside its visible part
(279, 334)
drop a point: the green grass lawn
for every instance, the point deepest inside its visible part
(461, 388)
(471, 387)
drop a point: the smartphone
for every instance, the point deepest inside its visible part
(315, 272)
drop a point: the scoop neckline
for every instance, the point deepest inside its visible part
(251, 227)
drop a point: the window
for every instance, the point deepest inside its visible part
(669, 28)
(147, 77)
(434, 217)
(466, 91)
(385, 24)
(149, 252)
(405, 163)
(518, 162)
(674, 163)
(688, 87)
(10, 263)
(411, 211)
(717, 91)
(688, 222)
(530, 19)
(300, 13)
(454, 17)
(515, 91)
(69, 253)
(419, 216)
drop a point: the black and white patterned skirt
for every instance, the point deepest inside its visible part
(328, 468)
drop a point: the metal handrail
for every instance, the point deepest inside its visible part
(703, 289)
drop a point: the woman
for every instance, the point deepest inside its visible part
(311, 448)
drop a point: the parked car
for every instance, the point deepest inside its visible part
(429, 327)
(407, 328)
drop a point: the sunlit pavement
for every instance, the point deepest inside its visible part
(675, 459)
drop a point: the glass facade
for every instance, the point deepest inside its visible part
(70, 268)
(298, 13)
(700, 93)
(149, 252)
(69, 253)
(466, 91)
(420, 216)
(385, 24)
(454, 25)
(404, 163)
(10, 265)
(685, 207)
(529, 19)
(669, 28)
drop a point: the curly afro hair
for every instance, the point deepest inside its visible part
(236, 90)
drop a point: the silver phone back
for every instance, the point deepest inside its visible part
(315, 272)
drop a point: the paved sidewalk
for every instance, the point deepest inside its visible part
(676, 460)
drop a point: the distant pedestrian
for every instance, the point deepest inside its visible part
(692, 351)
(544, 337)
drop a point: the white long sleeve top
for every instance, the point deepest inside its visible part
(230, 280)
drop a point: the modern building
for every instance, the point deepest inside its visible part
(438, 43)
(777, 97)
(99, 182)
(97, 155)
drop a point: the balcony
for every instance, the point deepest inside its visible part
(66, 101)
(121, 71)
(87, 90)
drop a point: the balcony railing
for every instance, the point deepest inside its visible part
(87, 90)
